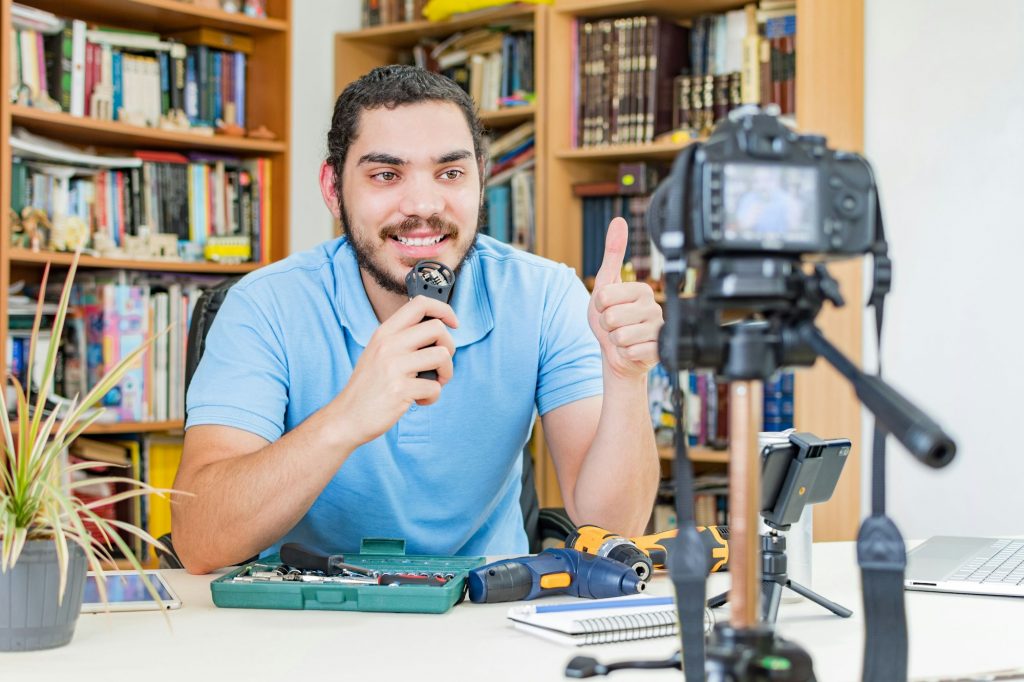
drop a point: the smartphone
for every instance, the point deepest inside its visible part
(798, 473)
(127, 592)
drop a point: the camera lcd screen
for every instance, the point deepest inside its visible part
(772, 205)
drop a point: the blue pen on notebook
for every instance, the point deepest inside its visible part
(602, 604)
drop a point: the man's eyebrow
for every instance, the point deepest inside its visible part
(454, 156)
(381, 157)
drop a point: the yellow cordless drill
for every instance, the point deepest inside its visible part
(647, 552)
(716, 540)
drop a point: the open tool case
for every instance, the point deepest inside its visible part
(385, 555)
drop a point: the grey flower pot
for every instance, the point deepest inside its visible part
(30, 617)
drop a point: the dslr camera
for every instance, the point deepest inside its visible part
(757, 187)
(745, 210)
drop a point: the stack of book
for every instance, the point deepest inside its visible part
(112, 314)
(138, 77)
(628, 197)
(493, 64)
(378, 12)
(624, 71)
(153, 459)
(510, 188)
(192, 196)
(745, 56)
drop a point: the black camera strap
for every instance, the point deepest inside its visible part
(881, 553)
(688, 563)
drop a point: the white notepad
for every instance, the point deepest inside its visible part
(605, 620)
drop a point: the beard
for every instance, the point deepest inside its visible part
(367, 252)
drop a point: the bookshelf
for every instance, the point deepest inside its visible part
(830, 100)
(829, 91)
(266, 101)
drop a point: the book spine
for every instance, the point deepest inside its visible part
(239, 80)
(77, 99)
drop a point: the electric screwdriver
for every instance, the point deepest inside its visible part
(597, 540)
(648, 551)
(716, 541)
(553, 571)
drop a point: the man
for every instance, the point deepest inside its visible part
(306, 420)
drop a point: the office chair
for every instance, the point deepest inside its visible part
(551, 523)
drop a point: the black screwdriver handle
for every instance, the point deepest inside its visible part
(306, 558)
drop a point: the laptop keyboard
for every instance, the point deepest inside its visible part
(1003, 562)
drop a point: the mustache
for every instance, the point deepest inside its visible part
(436, 222)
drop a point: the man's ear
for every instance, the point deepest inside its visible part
(327, 189)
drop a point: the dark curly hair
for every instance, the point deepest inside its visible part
(393, 86)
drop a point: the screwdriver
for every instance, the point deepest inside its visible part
(304, 557)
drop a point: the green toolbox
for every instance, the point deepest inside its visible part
(381, 577)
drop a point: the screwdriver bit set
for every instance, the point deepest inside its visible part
(301, 577)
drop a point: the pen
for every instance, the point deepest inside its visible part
(603, 604)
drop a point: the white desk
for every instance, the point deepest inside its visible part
(948, 634)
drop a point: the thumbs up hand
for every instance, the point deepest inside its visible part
(624, 316)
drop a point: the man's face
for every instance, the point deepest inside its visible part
(411, 190)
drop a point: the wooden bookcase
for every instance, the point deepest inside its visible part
(268, 103)
(830, 100)
(830, 40)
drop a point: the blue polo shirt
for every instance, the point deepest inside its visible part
(446, 477)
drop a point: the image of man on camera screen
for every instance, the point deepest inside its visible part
(765, 202)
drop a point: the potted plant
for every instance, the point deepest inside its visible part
(45, 541)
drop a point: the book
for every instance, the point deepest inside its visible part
(601, 621)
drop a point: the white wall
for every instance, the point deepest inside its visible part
(944, 125)
(314, 23)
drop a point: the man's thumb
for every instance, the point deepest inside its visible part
(614, 252)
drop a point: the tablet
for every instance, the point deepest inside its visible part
(127, 592)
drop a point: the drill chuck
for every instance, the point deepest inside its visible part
(625, 552)
(600, 542)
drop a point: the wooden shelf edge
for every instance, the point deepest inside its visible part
(678, 8)
(404, 30)
(616, 152)
(122, 134)
(697, 454)
(176, 12)
(136, 427)
(128, 427)
(21, 256)
(508, 115)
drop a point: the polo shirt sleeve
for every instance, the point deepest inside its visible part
(242, 378)
(570, 356)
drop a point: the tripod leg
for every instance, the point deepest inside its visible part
(835, 608)
(771, 593)
(718, 600)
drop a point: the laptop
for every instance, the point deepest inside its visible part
(967, 565)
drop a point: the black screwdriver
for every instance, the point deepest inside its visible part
(304, 557)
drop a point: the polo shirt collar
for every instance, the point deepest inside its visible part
(471, 300)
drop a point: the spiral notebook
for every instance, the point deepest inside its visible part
(619, 619)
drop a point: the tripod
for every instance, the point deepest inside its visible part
(774, 578)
